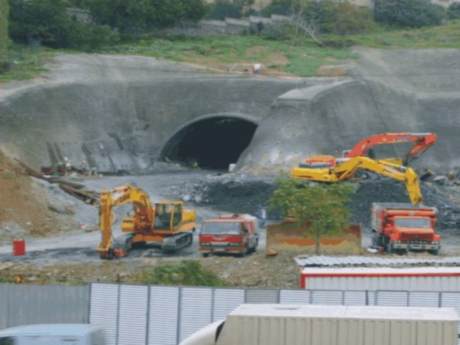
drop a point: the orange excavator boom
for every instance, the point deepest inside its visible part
(420, 143)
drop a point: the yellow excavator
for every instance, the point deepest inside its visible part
(324, 168)
(166, 224)
(346, 169)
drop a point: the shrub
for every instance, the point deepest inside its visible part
(282, 7)
(4, 8)
(137, 16)
(348, 19)
(327, 15)
(188, 273)
(47, 22)
(224, 9)
(408, 13)
(453, 12)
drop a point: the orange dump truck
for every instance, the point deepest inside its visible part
(232, 234)
(400, 227)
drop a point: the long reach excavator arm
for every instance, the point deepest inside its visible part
(348, 168)
(331, 169)
(420, 143)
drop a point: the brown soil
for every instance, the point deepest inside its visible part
(255, 270)
(21, 206)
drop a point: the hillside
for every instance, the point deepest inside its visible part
(26, 208)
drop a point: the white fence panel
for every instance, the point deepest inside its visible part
(327, 297)
(132, 326)
(262, 296)
(355, 298)
(196, 306)
(164, 315)
(424, 299)
(225, 301)
(295, 296)
(104, 310)
(392, 298)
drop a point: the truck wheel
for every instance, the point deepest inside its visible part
(389, 247)
(205, 255)
(403, 251)
(434, 251)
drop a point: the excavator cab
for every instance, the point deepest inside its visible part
(168, 215)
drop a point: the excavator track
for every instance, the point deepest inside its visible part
(175, 243)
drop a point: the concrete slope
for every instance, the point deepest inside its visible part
(404, 90)
(123, 113)
(117, 113)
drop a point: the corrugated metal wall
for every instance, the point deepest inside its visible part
(175, 313)
(28, 304)
(159, 315)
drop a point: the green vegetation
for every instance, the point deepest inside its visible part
(134, 17)
(46, 22)
(298, 56)
(322, 207)
(222, 9)
(25, 63)
(326, 16)
(453, 12)
(4, 12)
(444, 36)
(187, 273)
(408, 13)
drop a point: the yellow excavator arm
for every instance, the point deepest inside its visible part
(119, 196)
(347, 168)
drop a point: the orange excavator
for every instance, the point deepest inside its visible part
(326, 168)
(165, 224)
(420, 143)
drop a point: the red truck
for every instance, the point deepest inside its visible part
(401, 227)
(232, 234)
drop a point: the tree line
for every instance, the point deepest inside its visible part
(50, 23)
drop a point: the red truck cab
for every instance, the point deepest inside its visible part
(403, 227)
(232, 234)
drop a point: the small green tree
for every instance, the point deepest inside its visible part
(4, 12)
(321, 207)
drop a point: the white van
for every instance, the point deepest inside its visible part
(53, 334)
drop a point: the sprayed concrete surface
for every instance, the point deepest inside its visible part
(120, 113)
(395, 90)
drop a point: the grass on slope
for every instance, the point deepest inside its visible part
(444, 36)
(25, 63)
(299, 57)
(232, 53)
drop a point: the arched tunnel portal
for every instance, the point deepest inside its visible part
(210, 142)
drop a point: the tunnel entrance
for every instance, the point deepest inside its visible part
(211, 143)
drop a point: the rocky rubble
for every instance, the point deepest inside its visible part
(236, 193)
(248, 194)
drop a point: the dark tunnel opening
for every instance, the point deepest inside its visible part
(212, 143)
